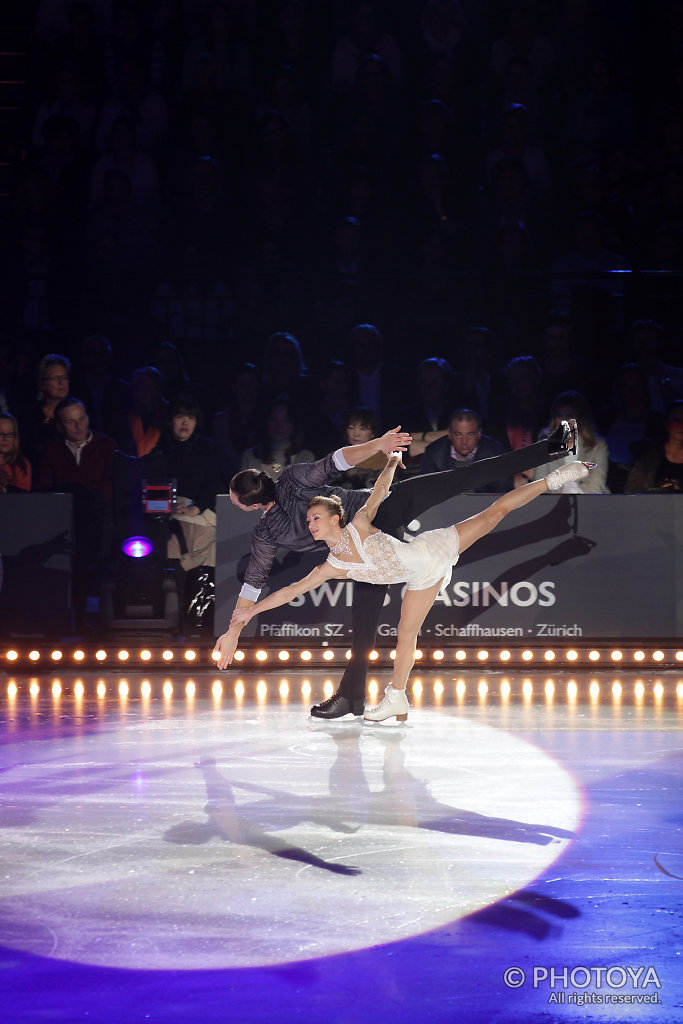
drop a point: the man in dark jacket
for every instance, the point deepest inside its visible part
(463, 445)
(81, 463)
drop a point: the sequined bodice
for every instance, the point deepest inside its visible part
(385, 560)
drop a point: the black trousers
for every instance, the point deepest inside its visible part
(407, 501)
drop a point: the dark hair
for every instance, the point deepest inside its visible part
(671, 408)
(333, 505)
(582, 411)
(465, 414)
(263, 450)
(66, 402)
(253, 487)
(185, 405)
(364, 416)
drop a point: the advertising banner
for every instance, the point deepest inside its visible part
(35, 565)
(565, 567)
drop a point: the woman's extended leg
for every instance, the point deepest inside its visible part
(410, 498)
(472, 529)
(416, 604)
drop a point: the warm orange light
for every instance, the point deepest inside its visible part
(168, 689)
(482, 655)
(283, 655)
(100, 655)
(33, 655)
(79, 655)
(217, 689)
(261, 655)
(123, 688)
(616, 655)
(305, 655)
(549, 655)
(123, 655)
(190, 655)
(145, 655)
(504, 655)
(328, 655)
(527, 655)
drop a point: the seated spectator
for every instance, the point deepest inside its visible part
(518, 421)
(38, 425)
(81, 462)
(591, 446)
(463, 445)
(325, 418)
(368, 374)
(481, 382)
(106, 397)
(15, 470)
(284, 369)
(66, 98)
(626, 423)
(562, 367)
(238, 426)
(665, 382)
(282, 444)
(514, 145)
(364, 35)
(125, 155)
(361, 426)
(659, 467)
(588, 255)
(147, 418)
(16, 389)
(185, 455)
(428, 417)
(170, 363)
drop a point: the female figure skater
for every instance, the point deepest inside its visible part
(361, 552)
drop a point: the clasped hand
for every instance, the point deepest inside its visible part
(395, 440)
(240, 617)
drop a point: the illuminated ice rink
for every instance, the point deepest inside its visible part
(177, 847)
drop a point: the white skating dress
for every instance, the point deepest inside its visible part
(425, 561)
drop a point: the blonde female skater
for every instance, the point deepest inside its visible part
(359, 551)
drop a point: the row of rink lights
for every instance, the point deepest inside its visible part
(483, 688)
(191, 656)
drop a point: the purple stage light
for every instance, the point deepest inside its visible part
(137, 547)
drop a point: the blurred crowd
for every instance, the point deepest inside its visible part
(247, 232)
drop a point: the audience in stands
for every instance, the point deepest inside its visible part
(462, 445)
